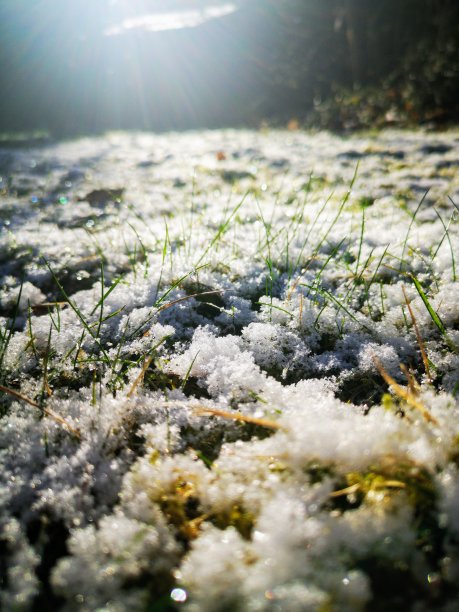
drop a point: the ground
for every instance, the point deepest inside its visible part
(229, 363)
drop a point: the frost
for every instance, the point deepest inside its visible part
(204, 399)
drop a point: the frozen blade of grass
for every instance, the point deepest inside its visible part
(76, 347)
(169, 305)
(93, 389)
(192, 211)
(176, 284)
(207, 462)
(293, 227)
(5, 337)
(99, 249)
(221, 230)
(267, 227)
(329, 296)
(106, 318)
(306, 240)
(365, 266)
(115, 376)
(106, 294)
(372, 280)
(386, 484)
(413, 385)
(358, 278)
(29, 329)
(334, 252)
(272, 240)
(340, 210)
(447, 236)
(45, 390)
(188, 372)
(276, 308)
(67, 298)
(337, 216)
(187, 297)
(402, 261)
(157, 307)
(453, 203)
(359, 253)
(267, 259)
(297, 218)
(56, 324)
(77, 311)
(163, 258)
(143, 249)
(433, 315)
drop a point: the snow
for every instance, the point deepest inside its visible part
(200, 330)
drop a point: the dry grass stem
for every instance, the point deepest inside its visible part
(418, 337)
(140, 377)
(404, 394)
(236, 416)
(47, 411)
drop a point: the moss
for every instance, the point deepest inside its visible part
(393, 477)
(235, 516)
(183, 510)
(181, 507)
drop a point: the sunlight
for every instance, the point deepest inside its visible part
(172, 20)
(154, 63)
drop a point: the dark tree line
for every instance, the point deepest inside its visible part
(406, 49)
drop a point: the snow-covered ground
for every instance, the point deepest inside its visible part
(230, 362)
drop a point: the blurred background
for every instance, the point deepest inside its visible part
(85, 66)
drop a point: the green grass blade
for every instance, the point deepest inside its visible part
(402, 261)
(433, 314)
(221, 230)
(77, 311)
(447, 236)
